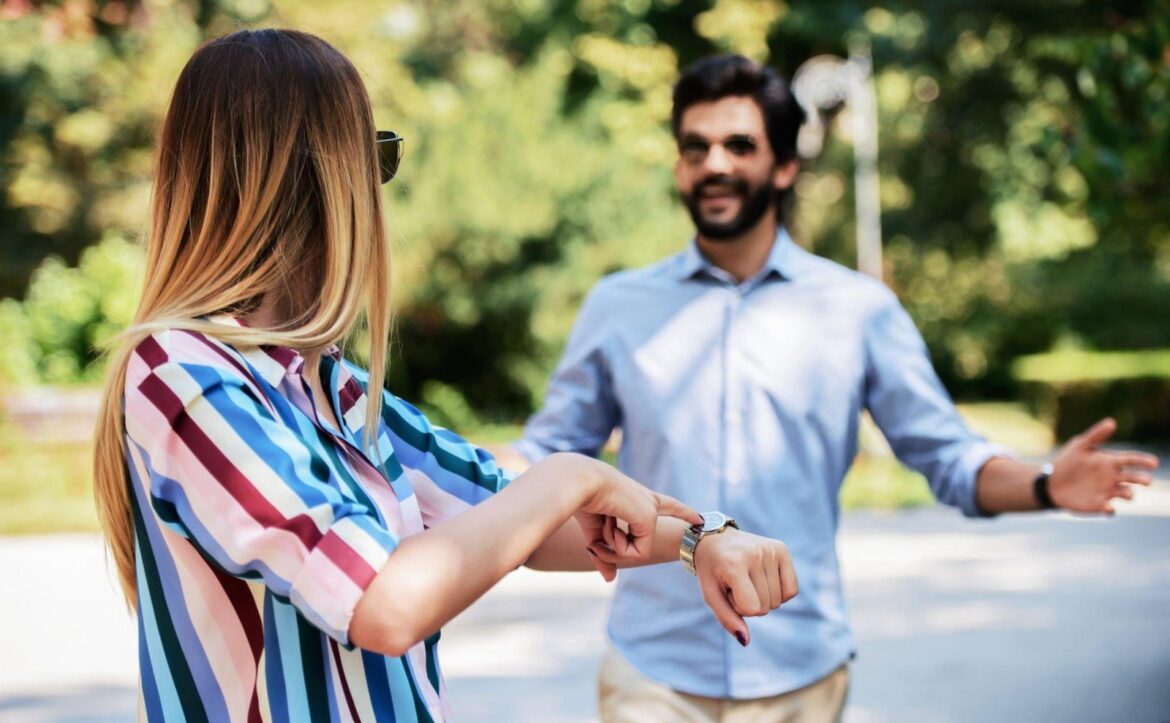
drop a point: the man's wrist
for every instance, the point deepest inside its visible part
(1040, 489)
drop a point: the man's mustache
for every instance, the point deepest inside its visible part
(738, 185)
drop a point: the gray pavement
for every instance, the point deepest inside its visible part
(1022, 618)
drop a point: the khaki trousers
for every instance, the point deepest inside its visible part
(627, 696)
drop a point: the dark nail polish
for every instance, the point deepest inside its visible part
(742, 640)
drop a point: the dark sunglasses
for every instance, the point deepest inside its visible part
(390, 146)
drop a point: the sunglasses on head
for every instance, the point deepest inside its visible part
(390, 148)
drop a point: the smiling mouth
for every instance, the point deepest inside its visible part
(718, 198)
(719, 191)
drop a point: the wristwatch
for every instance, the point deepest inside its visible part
(1040, 489)
(713, 524)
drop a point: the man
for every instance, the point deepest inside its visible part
(738, 370)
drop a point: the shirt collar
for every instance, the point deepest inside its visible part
(781, 260)
(273, 363)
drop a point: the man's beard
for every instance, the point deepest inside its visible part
(754, 203)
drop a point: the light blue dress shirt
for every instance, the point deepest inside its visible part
(746, 398)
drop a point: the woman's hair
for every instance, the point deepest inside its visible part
(266, 188)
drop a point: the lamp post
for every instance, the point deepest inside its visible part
(825, 82)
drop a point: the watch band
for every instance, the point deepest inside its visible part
(1040, 489)
(713, 524)
(686, 551)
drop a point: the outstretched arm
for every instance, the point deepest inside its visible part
(1085, 478)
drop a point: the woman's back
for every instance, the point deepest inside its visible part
(258, 526)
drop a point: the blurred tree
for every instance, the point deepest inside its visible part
(1024, 168)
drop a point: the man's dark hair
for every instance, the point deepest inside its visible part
(720, 76)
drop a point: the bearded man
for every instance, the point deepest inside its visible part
(738, 370)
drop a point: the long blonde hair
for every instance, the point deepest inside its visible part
(266, 188)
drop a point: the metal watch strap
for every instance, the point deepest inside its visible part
(691, 538)
(686, 551)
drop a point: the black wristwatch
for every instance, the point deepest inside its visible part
(1040, 489)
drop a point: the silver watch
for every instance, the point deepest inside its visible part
(713, 524)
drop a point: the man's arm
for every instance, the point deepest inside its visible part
(1084, 477)
(913, 410)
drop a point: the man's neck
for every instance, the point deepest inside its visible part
(742, 256)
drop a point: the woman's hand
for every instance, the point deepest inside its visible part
(741, 574)
(619, 517)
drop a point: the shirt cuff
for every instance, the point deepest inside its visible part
(972, 461)
(337, 573)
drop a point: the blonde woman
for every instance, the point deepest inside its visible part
(291, 536)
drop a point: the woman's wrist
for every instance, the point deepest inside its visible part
(575, 478)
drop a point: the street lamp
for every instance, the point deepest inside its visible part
(822, 83)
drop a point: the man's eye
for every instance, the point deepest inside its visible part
(740, 146)
(693, 149)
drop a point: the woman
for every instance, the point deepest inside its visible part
(291, 540)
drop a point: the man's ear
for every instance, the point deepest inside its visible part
(785, 174)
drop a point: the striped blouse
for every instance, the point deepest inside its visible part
(258, 526)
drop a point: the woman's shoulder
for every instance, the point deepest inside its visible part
(169, 350)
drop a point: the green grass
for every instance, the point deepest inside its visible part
(1075, 365)
(47, 486)
(879, 482)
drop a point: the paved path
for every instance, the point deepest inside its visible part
(1025, 618)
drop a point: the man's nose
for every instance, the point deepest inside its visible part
(718, 160)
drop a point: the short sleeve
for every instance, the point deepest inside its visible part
(252, 494)
(448, 473)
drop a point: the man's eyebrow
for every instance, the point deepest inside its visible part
(690, 136)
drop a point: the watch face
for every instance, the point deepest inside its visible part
(713, 521)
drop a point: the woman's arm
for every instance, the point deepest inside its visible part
(433, 576)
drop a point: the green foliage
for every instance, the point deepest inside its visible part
(1023, 165)
(44, 486)
(68, 314)
(1024, 181)
(1140, 405)
(1077, 365)
(1074, 388)
(81, 98)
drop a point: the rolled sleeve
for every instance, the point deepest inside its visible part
(912, 408)
(253, 496)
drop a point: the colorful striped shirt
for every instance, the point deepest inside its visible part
(258, 526)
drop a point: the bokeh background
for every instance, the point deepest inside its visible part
(1025, 195)
(1024, 167)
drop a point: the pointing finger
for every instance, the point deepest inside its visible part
(668, 505)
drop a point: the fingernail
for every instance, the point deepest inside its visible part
(742, 640)
(590, 551)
